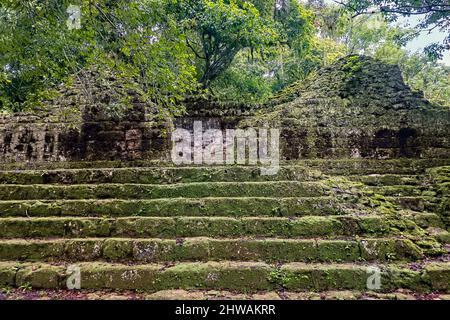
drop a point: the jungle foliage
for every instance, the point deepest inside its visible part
(233, 49)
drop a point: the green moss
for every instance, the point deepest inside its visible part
(326, 277)
(117, 250)
(440, 185)
(389, 249)
(241, 276)
(430, 245)
(41, 276)
(143, 191)
(8, 272)
(439, 276)
(174, 207)
(109, 276)
(245, 222)
(156, 175)
(31, 251)
(338, 250)
(400, 277)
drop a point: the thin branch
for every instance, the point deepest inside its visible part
(193, 50)
(105, 16)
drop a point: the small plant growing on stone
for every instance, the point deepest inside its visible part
(6, 290)
(26, 287)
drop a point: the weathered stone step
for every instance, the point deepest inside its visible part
(239, 276)
(165, 227)
(209, 249)
(415, 203)
(425, 219)
(388, 179)
(156, 175)
(402, 191)
(192, 295)
(155, 191)
(434, 276)
(254, 206)
(263, 295)
(374, 166)
(331, 166)
(441, 235)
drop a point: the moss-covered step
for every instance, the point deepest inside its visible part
(373, 166)
(402, 191)
(209, 249)
(440, 235)
(165, 227)
(425, 219)
(155, 191)
(156, 175)
(250, 276)
(176, 207)
(441, 175)
(332, 166)
(421, 203)
(387, 179)
(433, 276)
(239, 276)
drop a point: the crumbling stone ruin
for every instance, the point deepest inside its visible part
(360, 207)
(355, 108)
(358, 108)
(97, 117)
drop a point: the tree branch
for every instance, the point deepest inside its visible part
(193, 50)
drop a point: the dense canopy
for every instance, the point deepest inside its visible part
(238, 50)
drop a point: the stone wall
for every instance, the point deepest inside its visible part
(93, 135)
(214, 115)
(97, 116)
(25, 137)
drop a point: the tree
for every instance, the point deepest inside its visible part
(137, 39)
(218, 30)
(436, 14)
(247, 80)
(375, 36)
(256, 74)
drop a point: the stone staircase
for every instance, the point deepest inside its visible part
(317, 226)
